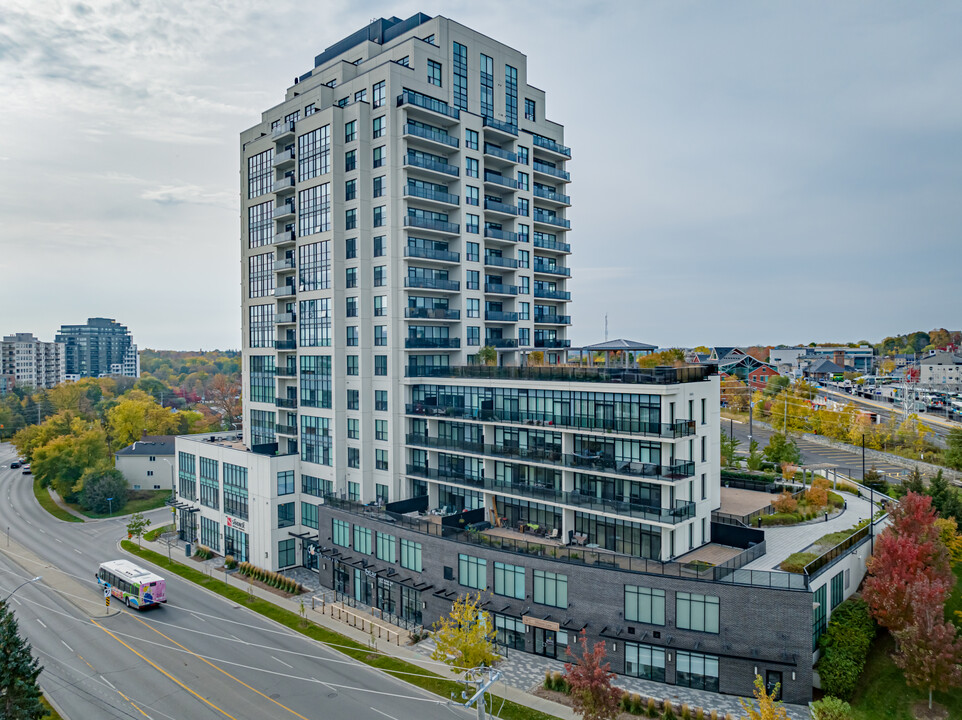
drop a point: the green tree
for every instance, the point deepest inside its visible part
(63, 461)
(775, 385)
(488, 355)
(137, 526)
(945, 498)
(781, 449)
(754, 461)
(729, 444)
(135, 413)
(19, 691)
(464, 638)
(953, 449)
(104, 490)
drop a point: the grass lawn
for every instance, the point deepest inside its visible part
(47, 503)
(156, 532)
(882, 693)
(412, 674)
(138, 501)
(51, 713)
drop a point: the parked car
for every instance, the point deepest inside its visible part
(15, 464)
(26, 469)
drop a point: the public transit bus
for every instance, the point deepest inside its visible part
(137, 587)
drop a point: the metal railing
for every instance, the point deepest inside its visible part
(576, 373)
(552, 195)
(430, 224)
(499, 125)
(551, 294)
(435, 135)
(409, 97)
(500, 207)
(547, 144)
(499, 179)
(501, 289)
(500, 316)
(426, 283)
(551, 245)
(552, 319)
(430, 254)
(552, 171)
(499, 153)
(428, 194)
(551, 269)
(501, 343)
(428, 164)
(448, 343)
(420, 313)
(499, 261)
(551, 343)
(502, 235)
(551, 219)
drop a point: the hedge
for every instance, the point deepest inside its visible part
(758, 477)
(845, 647)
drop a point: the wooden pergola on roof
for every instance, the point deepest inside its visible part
(630, 350)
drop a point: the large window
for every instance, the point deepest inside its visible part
(314, 153)
(341, 533)
(697, 671)
(487, 86)
(411, 555)
(379, 94)
(314, 323)
(315, 381)
(209, 533)
(696, 612)
(235, 490)
(509, 580)
(362, 540)
(235, 543)
(644, 605)
(434, 73)
(261, 326)
(260, 174)
(386, 547)
(550, 589)
(285, 482)
(262, 427)
(285, 553)
(838, 589)
(314, 209)
(460, 68)
(472, 572)
(315, 440)
(819, 615)
(262, 378)
(317, 487)
(260, 275)
(314, 266)
(510, 632)
(511, 95)
(260, 224)
(186, 471)
(530, 110)
(645, 661)
(209, 483)
(309, 515)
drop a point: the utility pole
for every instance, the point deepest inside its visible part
(477, 675)
(786, 413)
(751, 406)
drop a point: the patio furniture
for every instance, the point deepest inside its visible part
(555, 534)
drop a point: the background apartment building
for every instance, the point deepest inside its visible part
(31, 362)
(100, 347)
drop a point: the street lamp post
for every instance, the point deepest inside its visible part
(25, 582)
(110, 506)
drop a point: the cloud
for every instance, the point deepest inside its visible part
(190, 195)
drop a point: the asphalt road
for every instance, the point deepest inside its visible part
(199, 656)
(846, 463)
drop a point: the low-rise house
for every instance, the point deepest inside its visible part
(148, 464)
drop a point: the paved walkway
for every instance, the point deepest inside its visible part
(526, 671)
(780, 542)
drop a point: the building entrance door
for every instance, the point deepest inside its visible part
(773, 678)
(545, 642)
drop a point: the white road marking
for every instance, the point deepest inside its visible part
(283, 663)
(77, 551)
(43, 531)
(59, 540)
(16, 601)
(381, 712)
(198, 617)
(108, 682)
(66, 646)
(41, 622)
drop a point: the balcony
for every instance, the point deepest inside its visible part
(449, 343)
(284, 185)
(427, 283)
(500, 316)
(290, 403)
(499, 126)
(459, 476)
(425, 102)
(429, 254)
(286, 345)
(627, 426)
(501, 343)
(432, 195)
(284, 264)
(500, 207)
(431, 135)
(551, 245)
(552, 196)
(286, 372)
(544, 169)
(496, 152)
(551, 269)
(431, 165)
(285, 318)
(284, 211)
(505, 235)
(545, 319)
(282, 291)
(420, 313)
(551, 294)
(499, 289)
(551, 343)
(440, 226)
(283, 131)
(285, 238)
(499, 261)
(283, 158)
(540, 216)
(544, 143)
(492, 178)
(285, 429)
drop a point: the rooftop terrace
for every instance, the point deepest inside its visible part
(570, 373)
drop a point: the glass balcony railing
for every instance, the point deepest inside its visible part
(431, 254)
(409, 97)
(552, 319)
(500, 207)
(431, 224)
(427, 283)
(499, 261)
(421, 313)
(428, 194)
(499, 316)
(429, 164)
(551, 269)
(285, 291)
(551, 219)
(551, 294)
(543, 142)
(283, 210)
(552, 343)
(502, 235)
(284, 184)
(286, 344)
(282, 429)
(422, 343)
(552, 195)
(551, 245)
(283, 158)
(285, 128)
(286, 372)
(552, 171)
(499, 153)
(427, 134)
(284, 264)
(501, 343)
(500, 289)
(290, 403)
(500, 125)
(498, 179)
(285, 318)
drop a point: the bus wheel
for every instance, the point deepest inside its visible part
(127, 602)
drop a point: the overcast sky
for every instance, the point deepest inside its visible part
(742, 172)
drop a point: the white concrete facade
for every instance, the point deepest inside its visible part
(147, 472)
(31, 362)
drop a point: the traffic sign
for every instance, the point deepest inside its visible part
(106, 591)
(107, 601)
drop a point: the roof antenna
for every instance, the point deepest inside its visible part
(606, 327)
